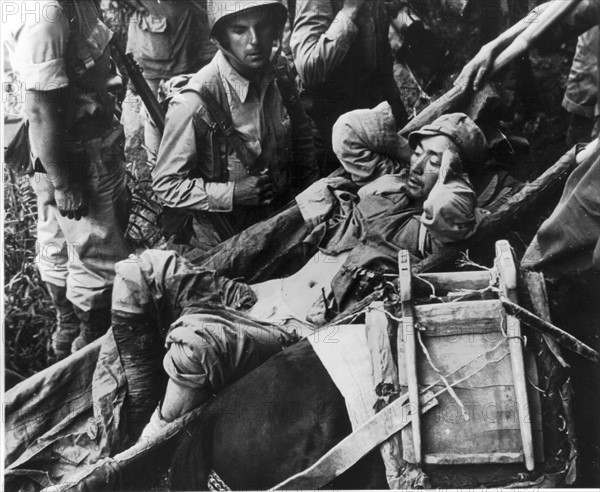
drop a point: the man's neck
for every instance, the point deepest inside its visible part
(249, 74)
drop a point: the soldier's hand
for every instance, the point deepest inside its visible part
(355, 9)
(253, 191)
(475, 72)
(71, 202)
(135, 5)
(451, 166)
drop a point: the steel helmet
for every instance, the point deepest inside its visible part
(220, 9)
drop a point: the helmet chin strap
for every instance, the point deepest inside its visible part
(230, 56)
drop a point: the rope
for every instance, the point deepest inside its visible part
(469, 376)
(466, 261)
(523, 338)
(442, 377)
(493, 349)
(390, 315)
(216, 483)
(350, 317)
(470, 292)
(432, 295)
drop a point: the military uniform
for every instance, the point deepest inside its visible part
(170, 38)
(581, 94)
(211, 342)
(67, 47)
(198, 165)
(343, 66)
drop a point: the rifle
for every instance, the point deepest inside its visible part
(221, 224)
(134, 71)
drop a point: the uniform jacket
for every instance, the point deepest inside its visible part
(197, 165)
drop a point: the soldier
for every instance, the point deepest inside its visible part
(573, 231)
(237, 142)
(343, 56)
(167, 38)
(214, 328)
(62, 59)
(581, 94)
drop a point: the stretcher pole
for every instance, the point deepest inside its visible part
(553, 13)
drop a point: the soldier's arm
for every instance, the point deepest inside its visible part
(39, 59)
(391, 91)
(136, 5)
(584, 17)
(320, 39)
(174, 179)
(47, 134)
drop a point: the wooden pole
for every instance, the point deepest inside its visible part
(507, 272)
(561, 336)
(455, 97)
(410, 347)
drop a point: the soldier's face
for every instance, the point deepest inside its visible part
(250, 36)
(425, 165)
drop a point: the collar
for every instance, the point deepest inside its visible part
(239, 84)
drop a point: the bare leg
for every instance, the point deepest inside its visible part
(181, 399)
(178, 401)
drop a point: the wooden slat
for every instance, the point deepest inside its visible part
(472, 459)
(448, 281)
(346, 453)
(460, 317)
(488, 397)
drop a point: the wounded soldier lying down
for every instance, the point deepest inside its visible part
(216, 330)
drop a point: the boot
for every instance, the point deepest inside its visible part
(93, 324)
(67, 322)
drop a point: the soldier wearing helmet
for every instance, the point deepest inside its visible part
(237, 144)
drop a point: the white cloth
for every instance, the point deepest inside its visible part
(358, 358)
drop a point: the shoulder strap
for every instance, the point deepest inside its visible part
(289, 93)
(224, 123)
(291, 5)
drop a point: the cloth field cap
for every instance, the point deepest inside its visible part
(463, 132)
(218, 10)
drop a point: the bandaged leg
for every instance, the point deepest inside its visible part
(135, 327)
